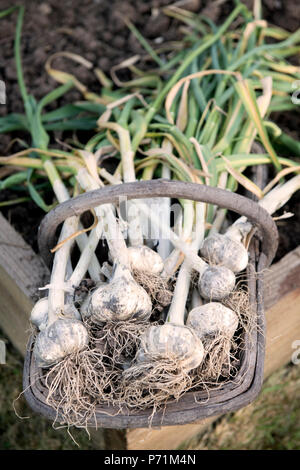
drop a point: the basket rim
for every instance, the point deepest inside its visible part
(161, 188)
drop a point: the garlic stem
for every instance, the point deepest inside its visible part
(164, 246)
(220, 213)
(196, 262)
(271, 202)
(115, 240)
(56, 297)
(62, 195)
(86, 256)
(127, 157)
(172, 262)
(277, 197)
(177, 308)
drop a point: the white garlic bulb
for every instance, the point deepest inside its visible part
(39, 313)
(174, 342)
(212, 319)
(143, 258)
(62, 337)
(216, 282)
(120, 299)
(222, 250)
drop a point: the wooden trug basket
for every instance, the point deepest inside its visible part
(193, 406)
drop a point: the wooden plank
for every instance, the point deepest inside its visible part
(282, 303)
(282, 300)
(283, 328)
(281, 278)
(22, 272)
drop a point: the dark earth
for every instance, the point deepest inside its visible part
(95, 30)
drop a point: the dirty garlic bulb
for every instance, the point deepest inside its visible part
(212, 319)
(215, 325)
(216, 282)
(39, 313)
(171, 342)
(224, 250)
(59, 339)
(120, 299)
(143, 258)
(59, 336)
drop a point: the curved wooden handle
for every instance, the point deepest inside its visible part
(161, 188)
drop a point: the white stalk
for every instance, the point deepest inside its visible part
(174, 259)
(135, 233)
(62, 195)
(115, 240)
(177, 308)
(86, 256)
(196, 262)
(172, 262)
(220, 213)
(164, 246)
(214, 282)
(173, 340)
(56, 297)
(271, 202)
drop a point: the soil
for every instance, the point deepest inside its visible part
(95, 30)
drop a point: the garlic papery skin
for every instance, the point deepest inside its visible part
(120, 299)
(143, 258)
(61, 338)
(213, 319)
(222, 250)
(171, 342)
(39, 313)
(216, 282)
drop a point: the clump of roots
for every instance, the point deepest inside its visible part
(106, 373)
(93, 377)
(77, 384)
(238, 301)
(158, 288)
(153, 383)
(117, 340)
(220, 361)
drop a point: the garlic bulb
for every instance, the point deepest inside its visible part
(62, 337)
(222, 250)
(212, 319)
(143, 258)
(120, 299)
(215, 283)
(39, 313)
(174, 342)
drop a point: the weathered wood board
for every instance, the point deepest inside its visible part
(22, 272)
